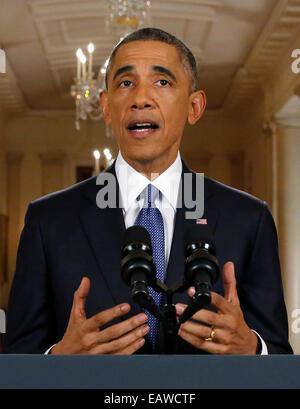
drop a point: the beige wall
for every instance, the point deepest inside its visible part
(3, 285)
(52, 148)
(2, 167)
(288, 142)
(257, 155)
(215, 147)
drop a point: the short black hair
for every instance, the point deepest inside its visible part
(155, 34)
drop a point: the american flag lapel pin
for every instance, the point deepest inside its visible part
(201, 221)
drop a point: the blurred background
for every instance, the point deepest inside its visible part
(248, 138)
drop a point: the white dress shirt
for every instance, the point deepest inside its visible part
(132, 184)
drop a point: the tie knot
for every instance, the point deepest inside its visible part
(150, 194)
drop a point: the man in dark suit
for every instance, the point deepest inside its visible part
(68, 294)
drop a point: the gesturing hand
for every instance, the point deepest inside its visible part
(84, 336)
(229, 332)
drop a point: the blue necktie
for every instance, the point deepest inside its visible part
(150, 217)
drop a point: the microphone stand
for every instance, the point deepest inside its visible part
(167, 314)
(138, 271)
(170, 326)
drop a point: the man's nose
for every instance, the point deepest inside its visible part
(142, 97)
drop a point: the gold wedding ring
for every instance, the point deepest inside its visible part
(211, 337)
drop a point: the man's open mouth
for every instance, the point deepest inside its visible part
(142, 126)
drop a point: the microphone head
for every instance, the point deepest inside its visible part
(137, 256)
(201, 264)
(199, 235)
(136, 234)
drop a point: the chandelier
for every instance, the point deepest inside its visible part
(86, 90)
(123, 17)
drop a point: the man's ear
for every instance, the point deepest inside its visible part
(105, 107)
(197, 106)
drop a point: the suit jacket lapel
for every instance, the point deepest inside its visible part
(105, 229)
(175, 269)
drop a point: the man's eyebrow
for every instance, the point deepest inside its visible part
(158, 68)
(164, 70)
(121, 70)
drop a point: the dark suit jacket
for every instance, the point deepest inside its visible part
(66, 236)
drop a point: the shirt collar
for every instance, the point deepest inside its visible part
(132, 183)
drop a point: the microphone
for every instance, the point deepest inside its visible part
(138, 268)
(201, 266)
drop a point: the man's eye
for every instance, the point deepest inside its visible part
(164, 82)
(125, 83)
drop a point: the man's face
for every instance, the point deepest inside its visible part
(148, 101)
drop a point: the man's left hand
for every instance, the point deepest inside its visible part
(227, 332)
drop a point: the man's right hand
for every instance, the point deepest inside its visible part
(84, 335)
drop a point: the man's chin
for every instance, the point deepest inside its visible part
(143, 158)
